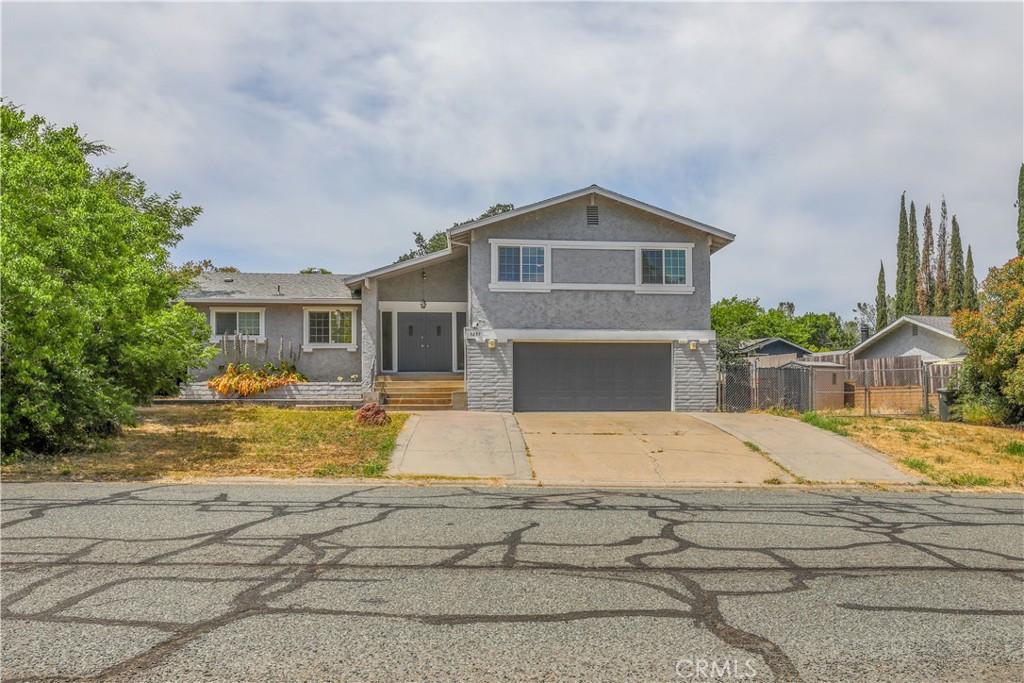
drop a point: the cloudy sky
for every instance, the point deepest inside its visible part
(324, 134)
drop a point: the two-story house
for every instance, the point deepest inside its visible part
(586, 301)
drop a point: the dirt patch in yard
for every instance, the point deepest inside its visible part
(186, 441)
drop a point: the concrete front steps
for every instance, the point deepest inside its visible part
(421, 392)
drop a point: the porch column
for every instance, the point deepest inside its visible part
(368, 337)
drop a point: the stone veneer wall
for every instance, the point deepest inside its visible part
(489, 377)
(696, 377)
(302, 391)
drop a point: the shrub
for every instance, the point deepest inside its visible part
(244, 381)
(987, 411)
(372, 414)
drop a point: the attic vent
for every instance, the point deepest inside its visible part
(913, 330)
(591, 215)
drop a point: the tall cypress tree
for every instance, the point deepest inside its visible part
(925, 274)
(1020, 212)
(956, 268)
(912, 263)
(940, 305)
(881, 300)
(970, 300)
(901, 258)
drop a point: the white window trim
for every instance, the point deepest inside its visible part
(549, 245)
(261, 338)
(307, 346)
(653, 288)
(499, 285)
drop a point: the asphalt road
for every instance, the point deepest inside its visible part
(322, 583)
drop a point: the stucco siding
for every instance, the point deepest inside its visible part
(285, 322)
(489, 377)
(445, 281)
(593, 266)
(695, 378)
(625, 310)
(900, 341)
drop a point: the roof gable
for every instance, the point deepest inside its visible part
(719, 237)
(938, 324)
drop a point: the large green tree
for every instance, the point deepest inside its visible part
(1020, 212)
(439, 240)
(970, 295)
(925, 274)
(913, 264)
(956, 267)
(88, 328)
(901, 260)
(994, 337)
(941, 302)
(881, 300)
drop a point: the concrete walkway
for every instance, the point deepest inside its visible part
(461, 444)
(808, 451)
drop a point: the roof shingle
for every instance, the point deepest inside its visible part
(268, 287)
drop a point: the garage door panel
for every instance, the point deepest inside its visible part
(596, 377)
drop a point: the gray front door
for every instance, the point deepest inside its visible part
(424, 342)
(600, 377)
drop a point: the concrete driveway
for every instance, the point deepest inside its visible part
(639, 448)
(697, 448)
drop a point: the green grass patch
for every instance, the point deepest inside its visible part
(1015, 448)
(753, 446)
(967, 479)
(832, 424)
(917, 464)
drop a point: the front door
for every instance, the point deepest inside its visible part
(425, 342)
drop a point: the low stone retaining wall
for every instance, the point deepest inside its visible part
(300, 392)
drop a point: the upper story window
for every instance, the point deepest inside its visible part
(663, 267)
(520, 264)
(330, 327)
(229, 322)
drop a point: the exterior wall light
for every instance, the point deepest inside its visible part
(693, 346)
(492, 343)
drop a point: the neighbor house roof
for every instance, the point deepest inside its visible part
(720, 238)
(267, 288)
(815, 364)
(939, 324)
(754, 344)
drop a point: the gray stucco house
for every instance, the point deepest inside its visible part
(928, 336)
(589, 300)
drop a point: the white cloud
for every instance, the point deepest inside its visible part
(326, 133)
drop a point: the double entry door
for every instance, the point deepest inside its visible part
(425, 342)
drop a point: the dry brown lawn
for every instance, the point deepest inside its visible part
(187, 441)
(945, 453)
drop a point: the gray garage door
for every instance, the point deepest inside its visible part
(591, 376)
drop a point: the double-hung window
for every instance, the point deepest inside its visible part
(664, 267)
(234, 322)
(520, 264)
(330, 327)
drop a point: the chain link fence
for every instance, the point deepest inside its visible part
(898, 387)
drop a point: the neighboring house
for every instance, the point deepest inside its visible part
(827, 383)
(928, 336)
(586, 301)
(771, 346)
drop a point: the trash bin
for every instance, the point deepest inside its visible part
(945, 402)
